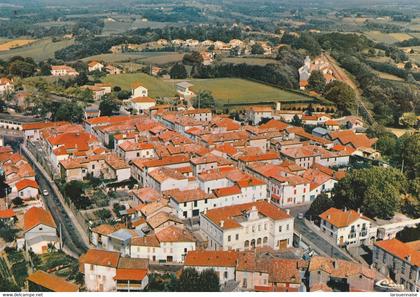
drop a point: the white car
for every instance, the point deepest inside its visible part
(45, 192)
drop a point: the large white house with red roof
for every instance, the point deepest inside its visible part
(348, 227)
(247, 226)
(26, 189)
(40, 230)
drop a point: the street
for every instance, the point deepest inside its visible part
(70, 236)
(312, 238)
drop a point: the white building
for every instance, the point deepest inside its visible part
(63, 70)
(222, 262)
(247, 226)
(170, 244)
(95, 66)
(184, 89)
(40, 230)
(138, 90)
(348, 227)
(6, 86)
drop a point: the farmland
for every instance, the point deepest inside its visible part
(225, 90)
(250, 61)
(141, 57)
(235, 90)
(11, 44)
(387, 38)
(39, 50)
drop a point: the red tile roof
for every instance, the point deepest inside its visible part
(340, 218)
(7, 213)
(36, 216)
(211, 258)
(174, 234)
(52, 282)
(400, 250)
(124, 274)
(25, 183)
(100, 258)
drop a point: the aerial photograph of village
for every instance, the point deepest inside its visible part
(158, 146)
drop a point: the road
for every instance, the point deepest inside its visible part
(310, 237)
(70, 235)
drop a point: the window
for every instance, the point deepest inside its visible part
(287, 227)
(205, 201)
(280, 228)
(195, 203)
(185, 214)
(229, 238)
(185, 204)
(237, 236)
(225, 274)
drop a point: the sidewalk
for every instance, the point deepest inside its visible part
(81, 231)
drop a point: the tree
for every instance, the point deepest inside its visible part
(82, 79)
(296, 121)
(189, 280)
(321, 203)
(257, 49)
(17, 201)
(178, 71)
(408, 153)
(204, 99)
(8, 286)
(316, 81)
(408, 119)
(74, 191)
(108, 105)
(193, 58)
(209, 281)
(408, 65)
(376, 191)
(69, 111)
(341, 94)
(22, 68)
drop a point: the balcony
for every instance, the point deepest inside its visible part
(128, 287)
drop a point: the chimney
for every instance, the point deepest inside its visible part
(328, 216)
(335, 264)
(222, 223)
(408, 258)
(288, 211)
(358, 210)
(205, 211)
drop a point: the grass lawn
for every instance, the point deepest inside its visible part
(236, 90)
(157, 87)
(225, 90)
(39, 50)
(387, 37)
(250, 61)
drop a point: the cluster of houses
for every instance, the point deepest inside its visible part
(318, 64)
(65, 70)
(206, 47)
(23, 203)
(212, 192)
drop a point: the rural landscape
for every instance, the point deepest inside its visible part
(210, 146)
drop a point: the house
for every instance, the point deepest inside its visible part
(138, 90)
(7, 216)
(129, 150)
(247, 226)
(113, 70)
(170, 244)
(40, 281)
(63, 70)
(39, 230)
(141, 104)
(348, 227)
(400, 261)
(95, 66)
(188, 203)
(184, 89)
(107, 271)
(254, 272)
(350, 138)
(207, 57)
(255, 114)
(27, 188)
(6, 86)
(340, 275)
(222, 262)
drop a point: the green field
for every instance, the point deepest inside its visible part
(157, 87)
(250, 61)
(141, 57)
(236, 90)
(39, 50)
(387, 38)
(225, 90)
